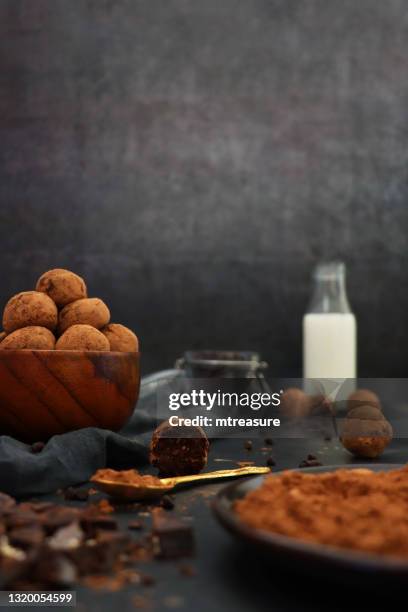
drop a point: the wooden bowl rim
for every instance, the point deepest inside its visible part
(66, 352)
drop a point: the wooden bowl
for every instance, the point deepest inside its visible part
(43, 393)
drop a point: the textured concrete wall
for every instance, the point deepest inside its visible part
(195, 159)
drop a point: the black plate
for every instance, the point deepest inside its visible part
(303, 556)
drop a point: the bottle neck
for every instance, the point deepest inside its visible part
(329, 292)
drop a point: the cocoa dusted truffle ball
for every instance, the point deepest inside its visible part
(295, 403)
(32, 337)
(82, 338)
(363, 397)
(121, 338)
(178, 450)
(320, 405)
(366, 432)
(62, 286)
(30, 308)
(88, 311)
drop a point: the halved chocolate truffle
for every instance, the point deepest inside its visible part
(178, 450)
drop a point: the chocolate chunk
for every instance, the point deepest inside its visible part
(45, 546)
(248, 445)
(166, 502)
(58, 517)
(268, 441)
(67, 538)
(171, 537)
(42, 569)
(11, 567)
(91, 523)
(99, 554)
(7, 503)
(26, 537)
(52, 568)
(178, 450)
(37, 507)
(76, 494)
(270, 462)
(21, 518)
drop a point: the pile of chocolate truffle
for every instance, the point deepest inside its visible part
(60, 315)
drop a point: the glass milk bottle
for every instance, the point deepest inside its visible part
(329, 327)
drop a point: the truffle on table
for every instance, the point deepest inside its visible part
(366, 432)
(30, 308)
(31, 337)
(88, 311)
(82, 338)
(121, 338)
(363, 397)
(294, 403)
(176, 451)
(62, 286)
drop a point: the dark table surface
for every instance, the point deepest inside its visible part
(228, 575)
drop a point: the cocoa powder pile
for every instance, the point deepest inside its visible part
(353, 509)
(126, 476)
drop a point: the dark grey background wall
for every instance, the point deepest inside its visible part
(194, 160)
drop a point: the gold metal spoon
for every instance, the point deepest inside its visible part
(136, 492)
